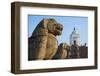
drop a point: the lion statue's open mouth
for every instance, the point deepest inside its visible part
(58, 29)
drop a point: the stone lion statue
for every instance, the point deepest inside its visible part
(43, 43)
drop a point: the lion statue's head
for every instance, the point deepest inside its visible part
(48, 26)
(54, 27)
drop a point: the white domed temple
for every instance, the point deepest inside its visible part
(77, 50)
(75, 36)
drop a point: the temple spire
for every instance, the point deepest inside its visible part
(74, 28)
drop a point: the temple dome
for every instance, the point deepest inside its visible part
(75, 36)
(75, 32)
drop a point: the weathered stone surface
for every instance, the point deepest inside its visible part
(83, 51)
(62, 52)
(43, 43)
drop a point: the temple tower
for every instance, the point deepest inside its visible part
(75, 37)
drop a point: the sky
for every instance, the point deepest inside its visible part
(68, 22)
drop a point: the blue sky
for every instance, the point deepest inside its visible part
(68, 22)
